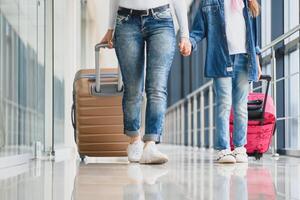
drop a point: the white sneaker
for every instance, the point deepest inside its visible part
(135, 151)
(240, 154)
(225, 156)
(151, 155)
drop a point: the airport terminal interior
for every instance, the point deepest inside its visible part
(43, 43)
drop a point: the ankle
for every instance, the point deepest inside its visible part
(148, 142)
(134, 139)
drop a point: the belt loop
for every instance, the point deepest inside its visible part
(152, 11)
(131, 11)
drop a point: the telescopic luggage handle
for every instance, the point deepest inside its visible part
(268, 78)
(98, 47)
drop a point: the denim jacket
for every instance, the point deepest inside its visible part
(210, 24)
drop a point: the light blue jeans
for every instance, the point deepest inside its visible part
(132, 34)
(232, 92)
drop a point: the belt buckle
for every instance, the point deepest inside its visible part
(145, 15)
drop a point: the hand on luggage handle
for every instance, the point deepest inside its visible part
(266, 77)
(98, 72)
(100, 46)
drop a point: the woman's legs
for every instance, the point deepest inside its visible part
(160, 52)
(130, 36)
(129, 46)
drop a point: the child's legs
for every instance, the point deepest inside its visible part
(240, 90)
(223, 88)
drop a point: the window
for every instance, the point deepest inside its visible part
(291, 19)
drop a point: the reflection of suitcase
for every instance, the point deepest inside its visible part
(261, 122)
(252, 183)
(260, 184)
(97, 116)
(108, 181)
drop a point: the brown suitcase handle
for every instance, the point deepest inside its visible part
(98, 47)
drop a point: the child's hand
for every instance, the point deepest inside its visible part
(259, 67)
(185, 47)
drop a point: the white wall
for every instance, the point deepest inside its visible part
(96, 20)
(70, 51)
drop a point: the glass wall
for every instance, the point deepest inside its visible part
(23, 29)
(21, 75)
(292, 96)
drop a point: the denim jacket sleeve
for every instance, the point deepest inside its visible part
(198, 32)
(255, 31)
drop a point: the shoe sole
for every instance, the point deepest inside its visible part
(133, 161)
(242, 161)
(156, 161)
(226, 162)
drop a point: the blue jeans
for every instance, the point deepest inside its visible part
(232, 91)
(132, 34)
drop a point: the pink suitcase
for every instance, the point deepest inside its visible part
(261, 122)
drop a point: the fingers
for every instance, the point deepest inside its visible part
(185, 48)
(110, 44)
(186, 53)
(107, 39)
(181, 46)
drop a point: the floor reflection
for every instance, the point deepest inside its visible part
(239, 182)
(120, 181)
(190, 174)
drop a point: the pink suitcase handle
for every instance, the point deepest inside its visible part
(268, 78)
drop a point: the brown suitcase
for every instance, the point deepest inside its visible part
(97, 115)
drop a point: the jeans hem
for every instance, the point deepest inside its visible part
(221, 148)
(241, 145)
(132, 133)
(151, 137)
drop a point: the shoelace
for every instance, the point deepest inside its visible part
(224, 153)
(239, 151)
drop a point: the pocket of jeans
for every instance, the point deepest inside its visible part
(121, 19)
(164, 15)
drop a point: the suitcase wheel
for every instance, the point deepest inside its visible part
(256, 155)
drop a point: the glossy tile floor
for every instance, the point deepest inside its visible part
(190, 174)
